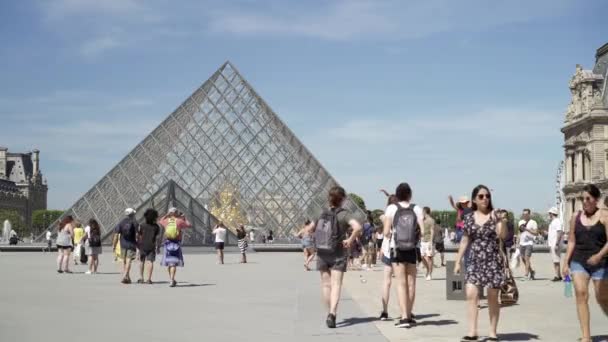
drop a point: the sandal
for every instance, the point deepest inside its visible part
(149, 282)
(469, 338)
(59, 271)
(140, 281)
(173, 283)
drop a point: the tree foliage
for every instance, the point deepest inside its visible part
(41, 219)
(358, 201)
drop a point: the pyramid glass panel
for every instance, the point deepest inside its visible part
(224, 151)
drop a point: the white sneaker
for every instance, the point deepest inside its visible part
(88, 272)
(428, 277)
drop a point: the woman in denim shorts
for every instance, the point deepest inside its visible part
(587, 257)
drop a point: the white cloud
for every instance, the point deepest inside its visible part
(96, 46)
(62, 8)
(379, 20)
(496, 125)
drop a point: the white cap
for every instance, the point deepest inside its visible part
(172, 210)
(553, 211)
(129, 211)
(463, 199)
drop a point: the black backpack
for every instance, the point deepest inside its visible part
(94, 239)
(327, 231)
(405, 228)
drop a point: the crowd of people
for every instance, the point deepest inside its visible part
(406, 236)
(409, 235)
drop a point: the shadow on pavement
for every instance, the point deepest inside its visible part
(355, 320)
(426, 316)
(194, 285)
(438, 323)
(518, 337)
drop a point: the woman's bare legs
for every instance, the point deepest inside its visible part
(402, 292)
(60, 260)
(386, 287)
(326, 289)
(472, 293)
(601, 294)
(66, 259)
(494, 310)
(581, 291)
(410, 276)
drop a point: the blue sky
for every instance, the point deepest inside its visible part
(442, 94)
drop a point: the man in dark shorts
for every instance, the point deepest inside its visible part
(332, 263)
(148, 238)
(126, 230)
(438, 238)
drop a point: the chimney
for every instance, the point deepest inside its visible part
(3, 162)
(36, 162)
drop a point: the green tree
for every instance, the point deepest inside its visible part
(376, 213)
(358, 201)
(41, 219)
(16, 221)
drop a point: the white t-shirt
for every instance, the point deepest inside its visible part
(48, 235)
(379, 236)
(390, 212)
(220, 234)
(554, 228)
(526, 238)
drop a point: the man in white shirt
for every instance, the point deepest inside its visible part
(554, 239)
(220, 238)
(528, 230)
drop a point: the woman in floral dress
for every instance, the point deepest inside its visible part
(485, 264)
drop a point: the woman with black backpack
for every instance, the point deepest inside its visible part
(93, 245)
(332, 243)
(402, 222)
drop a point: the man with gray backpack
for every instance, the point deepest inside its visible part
(402, 222)
(332, 243)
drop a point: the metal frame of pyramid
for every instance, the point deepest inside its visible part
(224, 134)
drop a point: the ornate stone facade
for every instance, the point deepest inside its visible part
(22, 187)
(586, 132)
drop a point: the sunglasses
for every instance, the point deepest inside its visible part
(482, 196)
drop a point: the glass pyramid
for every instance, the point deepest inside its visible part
(224, 136)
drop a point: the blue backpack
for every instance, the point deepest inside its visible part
(368, 232)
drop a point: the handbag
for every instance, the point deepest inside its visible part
(508, 294)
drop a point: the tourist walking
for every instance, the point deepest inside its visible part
(78, 246)
(332, 243)
(148, 241)
(438, 240)
(426, 242)
(367, 243)
(306, 235)
(126, 232)
(462, 208)
(174, 222)
(554, 239)
(220, 238)
(485, 267)
(64, 244)
(379, 241)
(270, 237)
(402, 222)
(385, 257)
(241, 236)
(93, 245)
(528, 229)
(587, 257)
(49, 240)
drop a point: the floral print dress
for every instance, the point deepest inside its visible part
(485, 265)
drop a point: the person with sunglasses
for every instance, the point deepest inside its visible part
(587, 257)
(485, 265)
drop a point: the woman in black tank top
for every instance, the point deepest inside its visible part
(587, 256)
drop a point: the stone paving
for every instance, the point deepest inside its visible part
(270, 299)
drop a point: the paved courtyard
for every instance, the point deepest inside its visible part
(270, 299)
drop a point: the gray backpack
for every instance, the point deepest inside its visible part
(327, 232)
(405, 228)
